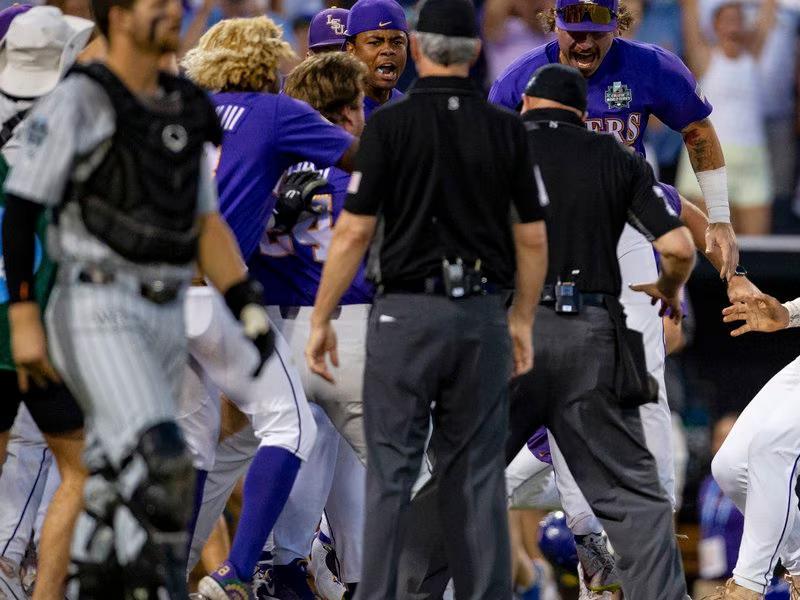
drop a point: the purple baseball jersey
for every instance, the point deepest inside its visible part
(539, 446)
(264, 134)
(671, 198)
(635, 80)
(371, 106)
(290, 266)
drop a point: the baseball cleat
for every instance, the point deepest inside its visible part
(584, 593)
(599, 566)
(225, 584)
(290, 582)
(794, 586)
(263, 580)
(324, 569)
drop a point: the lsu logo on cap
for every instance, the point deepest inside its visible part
(336, 25)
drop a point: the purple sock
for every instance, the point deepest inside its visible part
(200, 483)
(266, 489)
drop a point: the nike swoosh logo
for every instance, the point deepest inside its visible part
(384, 24)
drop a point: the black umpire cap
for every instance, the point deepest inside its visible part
(453, 18)
(560, 83)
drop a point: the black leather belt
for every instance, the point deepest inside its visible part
(157, 291)
(291, 312)
(587, 299)
(433, 286)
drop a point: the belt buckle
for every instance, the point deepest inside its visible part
(95, 276)
(159, 292)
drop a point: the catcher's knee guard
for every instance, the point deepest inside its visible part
(160, 478)
(162, 495)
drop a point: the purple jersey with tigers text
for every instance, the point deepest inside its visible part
(264, 134)
(635, 80)
(290, 266)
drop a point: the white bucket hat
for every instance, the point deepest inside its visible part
(39, 47)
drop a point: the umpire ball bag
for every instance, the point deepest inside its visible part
(138, 190)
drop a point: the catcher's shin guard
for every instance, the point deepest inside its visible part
(156, 484)
(94, 573)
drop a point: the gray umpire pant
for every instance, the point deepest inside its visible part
(571, 391)
(420, 350)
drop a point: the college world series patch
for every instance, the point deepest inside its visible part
(618, 95)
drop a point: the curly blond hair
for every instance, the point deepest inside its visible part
(624, 19)
(238, 55)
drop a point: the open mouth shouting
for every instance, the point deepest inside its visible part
(387, 71)
(584, 60)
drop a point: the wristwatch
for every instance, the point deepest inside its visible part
(740, 271)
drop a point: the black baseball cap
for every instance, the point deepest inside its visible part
(453, 18)
(560, 83)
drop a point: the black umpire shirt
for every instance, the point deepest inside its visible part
(448, 173)
(594, 185)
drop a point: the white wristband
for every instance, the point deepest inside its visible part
(793, 306)
(714, 185)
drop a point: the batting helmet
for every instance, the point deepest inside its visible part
(556, 541)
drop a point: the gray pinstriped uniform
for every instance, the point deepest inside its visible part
(122, 355)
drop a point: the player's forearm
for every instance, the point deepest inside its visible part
(708, 162)
(531, 252)
(218, 253)
(351, 238)
(702, 144)
(697, 223)
(677, 259)
(19, 231)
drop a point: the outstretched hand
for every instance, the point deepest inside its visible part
(760, 313)
(670, 302)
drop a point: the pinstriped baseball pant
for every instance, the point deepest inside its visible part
(122, 357)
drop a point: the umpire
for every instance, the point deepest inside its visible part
(590, 372)
(448, 174)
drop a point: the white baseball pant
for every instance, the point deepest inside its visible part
(222, 359)
(530, 483)
(757, 467)
(22, 485)
(333, 480)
